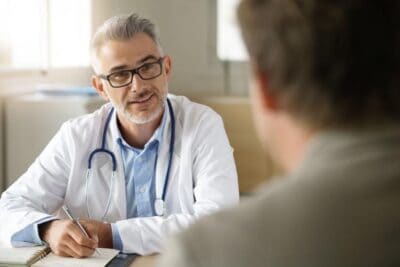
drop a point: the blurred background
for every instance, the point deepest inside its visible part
(45, 72)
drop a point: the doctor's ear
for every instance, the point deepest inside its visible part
(167, 65)
(98, 85)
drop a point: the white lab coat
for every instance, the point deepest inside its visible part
(203, 178)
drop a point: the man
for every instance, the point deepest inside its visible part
(141, 167)
(326, 101)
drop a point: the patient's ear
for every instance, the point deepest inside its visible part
(98, 85)
(267, 99)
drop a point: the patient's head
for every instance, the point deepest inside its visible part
(327, 63)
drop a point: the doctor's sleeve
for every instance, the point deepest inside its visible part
(30, 234)
(214, 170)
(37, 194)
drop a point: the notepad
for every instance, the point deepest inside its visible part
(41, 257)
(22, 256)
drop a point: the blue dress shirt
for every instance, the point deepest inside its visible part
(30, 234)
(139, 167)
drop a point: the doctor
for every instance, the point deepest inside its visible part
(143, 166)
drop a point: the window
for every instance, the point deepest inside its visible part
(230, 46)
(44, 34)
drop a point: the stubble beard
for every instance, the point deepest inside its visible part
(145, 118)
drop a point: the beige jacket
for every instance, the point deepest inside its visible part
(341, 207)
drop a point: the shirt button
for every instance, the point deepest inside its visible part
(142, 189)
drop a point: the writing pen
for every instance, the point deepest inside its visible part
(66, 210)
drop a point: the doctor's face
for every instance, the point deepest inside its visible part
(134, 77)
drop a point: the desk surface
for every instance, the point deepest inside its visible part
(145, 261)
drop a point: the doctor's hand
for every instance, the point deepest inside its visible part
(103, 231)
(66, 239)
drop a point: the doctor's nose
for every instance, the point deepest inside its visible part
(136, 84)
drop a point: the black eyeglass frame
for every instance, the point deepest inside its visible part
(134, 71)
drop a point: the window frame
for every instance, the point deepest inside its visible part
(47, 69)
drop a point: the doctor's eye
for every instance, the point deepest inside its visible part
(147, 67)
(121, 76)
(149, 70)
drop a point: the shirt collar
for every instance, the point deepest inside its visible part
(155, 138)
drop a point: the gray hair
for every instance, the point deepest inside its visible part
(123, 27)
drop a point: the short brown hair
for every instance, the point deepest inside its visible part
(330, 63)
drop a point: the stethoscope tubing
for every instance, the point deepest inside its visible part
(171, 150)
(103, 149)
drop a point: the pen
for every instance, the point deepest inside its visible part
(66, 210)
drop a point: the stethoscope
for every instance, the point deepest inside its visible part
(159, 203)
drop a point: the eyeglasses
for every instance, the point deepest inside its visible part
(123, 78)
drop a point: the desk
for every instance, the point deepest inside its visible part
(145, 261)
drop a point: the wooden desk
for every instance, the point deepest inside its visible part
(145, 261)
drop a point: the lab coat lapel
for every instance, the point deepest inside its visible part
(119, 194)
(163, 155)
(101, 180)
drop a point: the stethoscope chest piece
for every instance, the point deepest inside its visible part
(159, 207)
